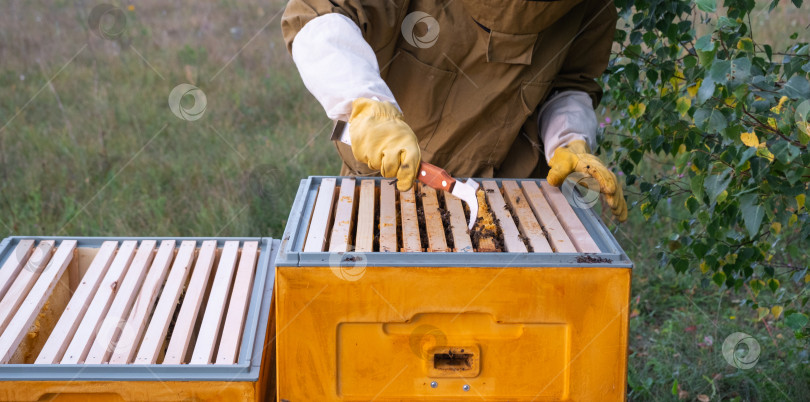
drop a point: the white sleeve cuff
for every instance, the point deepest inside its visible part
(337, 65)
(567, 116)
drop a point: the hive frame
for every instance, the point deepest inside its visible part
(291, 249)
(250, 349)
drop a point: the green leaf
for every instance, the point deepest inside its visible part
(706, 49)
(696, 185)
(797, 3)
(773, 284)
(632, 51)
(740, 71)
(711, 120)
(706, 90)
(797, 321)
(705, 43)
(720, 71)
(675, 387)
(785, 152)
(689, 62)
(708, 6)
(803, 111)
(752, 213)
(768, 52)
(680, 264)
(718, 278)
(692, 204)
(797, 87)
(716, 184)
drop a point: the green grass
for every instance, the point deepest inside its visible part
(100, 153)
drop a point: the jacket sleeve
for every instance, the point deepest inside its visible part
(378, 20)
(565, 117)
(589, 53)
(333, 45)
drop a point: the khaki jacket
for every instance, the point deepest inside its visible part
(472, 96)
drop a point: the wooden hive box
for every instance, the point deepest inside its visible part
(135, 319)
(386, 296)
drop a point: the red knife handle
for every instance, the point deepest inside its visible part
(435, 177)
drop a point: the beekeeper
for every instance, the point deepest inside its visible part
(480, 88)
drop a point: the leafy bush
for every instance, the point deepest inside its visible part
(728, 115)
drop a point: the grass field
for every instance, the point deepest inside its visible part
(90, 147)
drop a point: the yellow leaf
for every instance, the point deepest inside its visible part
(695, 169)
(778, 108)
(693, 90)
(803, 126)
(800, 199)
(745, 44)
(781, 104)
(776, 311)
(763, 151)
(722, 196)
(750, 139)
(793, 218)
(762, 312)
(682, 104)
(756, 285)
(776, 227)
(675, 82)
(807, 278)
(731, 102)
(772, 123)
(637, 110)
(681, 149)
(732, 317)
(704, 267)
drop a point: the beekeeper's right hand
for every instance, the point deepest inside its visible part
(383, 141)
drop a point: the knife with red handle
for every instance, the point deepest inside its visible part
(436, 177)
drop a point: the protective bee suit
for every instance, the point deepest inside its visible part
(480, 88)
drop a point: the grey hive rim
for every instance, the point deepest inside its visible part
(292, 242)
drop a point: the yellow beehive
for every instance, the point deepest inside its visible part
(543, 319)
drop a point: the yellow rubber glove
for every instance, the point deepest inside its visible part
(383, 141)
(577, 157)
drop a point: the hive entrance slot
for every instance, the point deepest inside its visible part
(452, 361)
